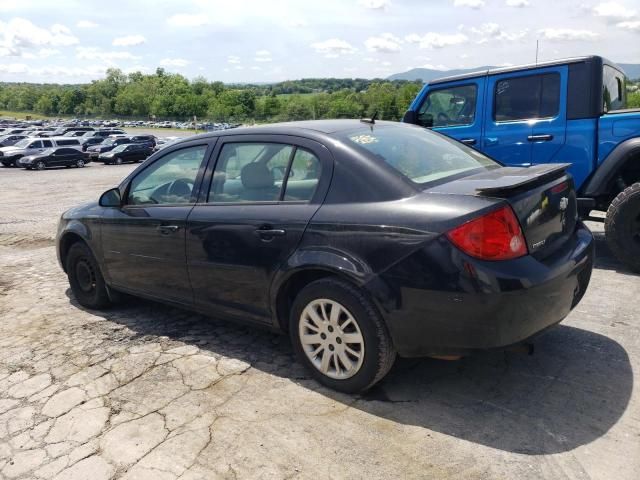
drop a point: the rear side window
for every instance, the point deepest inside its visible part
(526, 98)
(47, 143)
(250, 172)
(447, 107)
(303, 178)
(67, 142)
(614, 89)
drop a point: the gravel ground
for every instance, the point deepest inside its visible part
(147, 391)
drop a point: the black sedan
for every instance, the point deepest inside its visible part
(53, 157)
(131, 152)
(360, 240)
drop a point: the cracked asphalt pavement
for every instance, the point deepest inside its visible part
(147, 391)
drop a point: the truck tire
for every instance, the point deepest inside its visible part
(622, 226)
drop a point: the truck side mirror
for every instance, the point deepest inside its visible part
(111, 198)
(410, 116)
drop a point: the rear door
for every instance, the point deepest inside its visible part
(525, 120)
(261, 195)
(455, 109)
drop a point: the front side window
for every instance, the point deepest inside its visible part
(47, 143)
(37, 144)
(614, 89)
(250, 172)
(418, 154)
(527, 98)
(169, 180)
(448, 107)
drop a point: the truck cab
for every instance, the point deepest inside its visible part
(565, 111)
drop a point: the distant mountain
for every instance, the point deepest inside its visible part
(426, 74)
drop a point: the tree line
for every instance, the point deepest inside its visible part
(165, 95)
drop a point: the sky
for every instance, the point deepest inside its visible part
(69, 41)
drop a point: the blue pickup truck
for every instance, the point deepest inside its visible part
(567, 111)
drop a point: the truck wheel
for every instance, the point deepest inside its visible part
(338, 334)
(622, 226)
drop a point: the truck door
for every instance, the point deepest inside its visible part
(525, 120)
(455, 109)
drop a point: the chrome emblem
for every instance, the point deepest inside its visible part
(564, 203)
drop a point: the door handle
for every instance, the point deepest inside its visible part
(490, 141)
(468, 141)
(167, 229)
(540, 138)
(267, 234)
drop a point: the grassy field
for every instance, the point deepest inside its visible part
(33, 116)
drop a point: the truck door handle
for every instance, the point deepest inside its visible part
(490, 141)
(540, 138)
(167, 229)
(468, 141)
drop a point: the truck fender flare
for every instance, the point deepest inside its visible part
(609, 168)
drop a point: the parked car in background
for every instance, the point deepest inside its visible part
(8, 140)
(53, 157)
(358, 239)
(108, 144)
(572, 110)
(148, 139)
(87, 142)
(32, 146)
(130, 152)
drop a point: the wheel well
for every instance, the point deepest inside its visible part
(290, 289)
(627, 174)
(65, 244)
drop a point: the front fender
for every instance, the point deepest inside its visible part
(601, 180)
(71, 230)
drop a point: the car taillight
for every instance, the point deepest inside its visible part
(494, 236)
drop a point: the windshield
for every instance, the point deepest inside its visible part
(119, 148)
(23, 143)
(419, 154)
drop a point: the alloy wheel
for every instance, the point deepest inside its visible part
(40, 165)
(331, 338)
(80, 163)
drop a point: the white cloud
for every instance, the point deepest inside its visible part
(86, 24)
(255, 67)
(612, 11)
(47, 72)
(19, 35)
(374, 4)
(334, 47)
(469, 3)
(187, 20)
(567, 34)
(517, 3)
(128, 41)
(262, 56)
(385, 43)
(437, 40)
(493, 31)
(95, 53)
(42, 53)
(174, 62)
(435, 67)
(634, 26)
(233, 59)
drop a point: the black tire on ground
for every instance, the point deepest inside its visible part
(85, 278)
(379, 353)
(622, 226)
(118, 161)
(40, 165)
(80, 163)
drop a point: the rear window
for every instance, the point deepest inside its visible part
(420, 155)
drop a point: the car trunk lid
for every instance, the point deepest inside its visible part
(543, 198)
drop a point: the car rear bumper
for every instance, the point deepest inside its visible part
(465, 304)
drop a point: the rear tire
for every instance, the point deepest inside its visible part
(85, 278)
(622, 226)
(118, 161)
(80, 163)
(355, 340)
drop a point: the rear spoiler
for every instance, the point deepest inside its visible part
(514, 178)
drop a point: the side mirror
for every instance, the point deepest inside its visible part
(411, 116)
(111, 198)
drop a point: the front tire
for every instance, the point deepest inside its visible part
(85, 278)
(622, 226)
(339, 335)
(118, 161)
(80, 163)
(40, 165)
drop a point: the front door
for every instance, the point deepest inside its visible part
(263, 192)
(144, 241)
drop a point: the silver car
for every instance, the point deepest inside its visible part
(33, 146)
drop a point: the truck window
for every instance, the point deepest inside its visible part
(614, 95)
(526, 98)
(454, 106)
